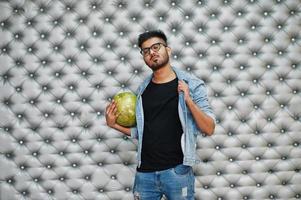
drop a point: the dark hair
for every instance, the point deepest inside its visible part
(150, 34)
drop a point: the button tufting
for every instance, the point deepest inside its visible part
(63, 59)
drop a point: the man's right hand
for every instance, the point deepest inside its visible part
(111, 114)
(111, 117)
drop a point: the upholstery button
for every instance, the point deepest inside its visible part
(257, 132)
(229, 133)
(22, 167)
(284, 183)
(101, 190)
(36, 179)
(50, 191)
(94, 6)
(99, 164)
(7, 129)
(25, 193)
(206, 187)
(258, 184)
(10, 180)
(19, 89)
(270, 144)
(88, 177)
(45, 87)
(9, 155)
(47, 140)
(200, 2)
(245, 197)
(127, 189)
(113, 177)
(283, 157)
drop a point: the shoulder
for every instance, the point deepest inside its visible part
(188, 77)
(143, 85)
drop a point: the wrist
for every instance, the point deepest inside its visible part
(189, 100)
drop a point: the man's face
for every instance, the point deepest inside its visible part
(156, 53)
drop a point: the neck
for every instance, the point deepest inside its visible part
(163, 75)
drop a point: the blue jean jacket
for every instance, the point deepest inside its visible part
(198, 92)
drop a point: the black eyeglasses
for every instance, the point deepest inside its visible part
(155, 47)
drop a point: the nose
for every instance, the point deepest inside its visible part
(151, 52)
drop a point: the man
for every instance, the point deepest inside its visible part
(172, 108)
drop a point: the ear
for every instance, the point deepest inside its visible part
(168, 50)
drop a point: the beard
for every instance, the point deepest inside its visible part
(157, 63)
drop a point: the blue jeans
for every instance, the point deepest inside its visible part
(176, 184)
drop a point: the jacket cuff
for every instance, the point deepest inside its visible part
(134, 133)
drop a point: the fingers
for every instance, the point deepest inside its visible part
(111, 108)
(182, 86)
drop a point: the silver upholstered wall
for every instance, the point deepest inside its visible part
(62, 61)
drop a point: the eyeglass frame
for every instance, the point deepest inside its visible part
(151, 48)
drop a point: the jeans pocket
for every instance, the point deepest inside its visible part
(182, 169)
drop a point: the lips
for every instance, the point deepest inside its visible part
(154, 58)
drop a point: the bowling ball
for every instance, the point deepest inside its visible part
(126, 107)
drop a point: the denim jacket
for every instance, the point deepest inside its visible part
(198, 93)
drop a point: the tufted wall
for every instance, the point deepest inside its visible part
(62, 61)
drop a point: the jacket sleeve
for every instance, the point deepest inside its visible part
(134, 133)
(199, 94)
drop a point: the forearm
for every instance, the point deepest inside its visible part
(124, 130)
(204, 122)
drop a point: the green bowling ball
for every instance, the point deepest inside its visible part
(126, 107)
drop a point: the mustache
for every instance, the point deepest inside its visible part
(154, 56)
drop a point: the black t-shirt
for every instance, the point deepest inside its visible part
(161, 143)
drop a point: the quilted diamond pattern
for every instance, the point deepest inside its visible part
(61, 62)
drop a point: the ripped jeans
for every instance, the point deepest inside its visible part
(176, 184)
